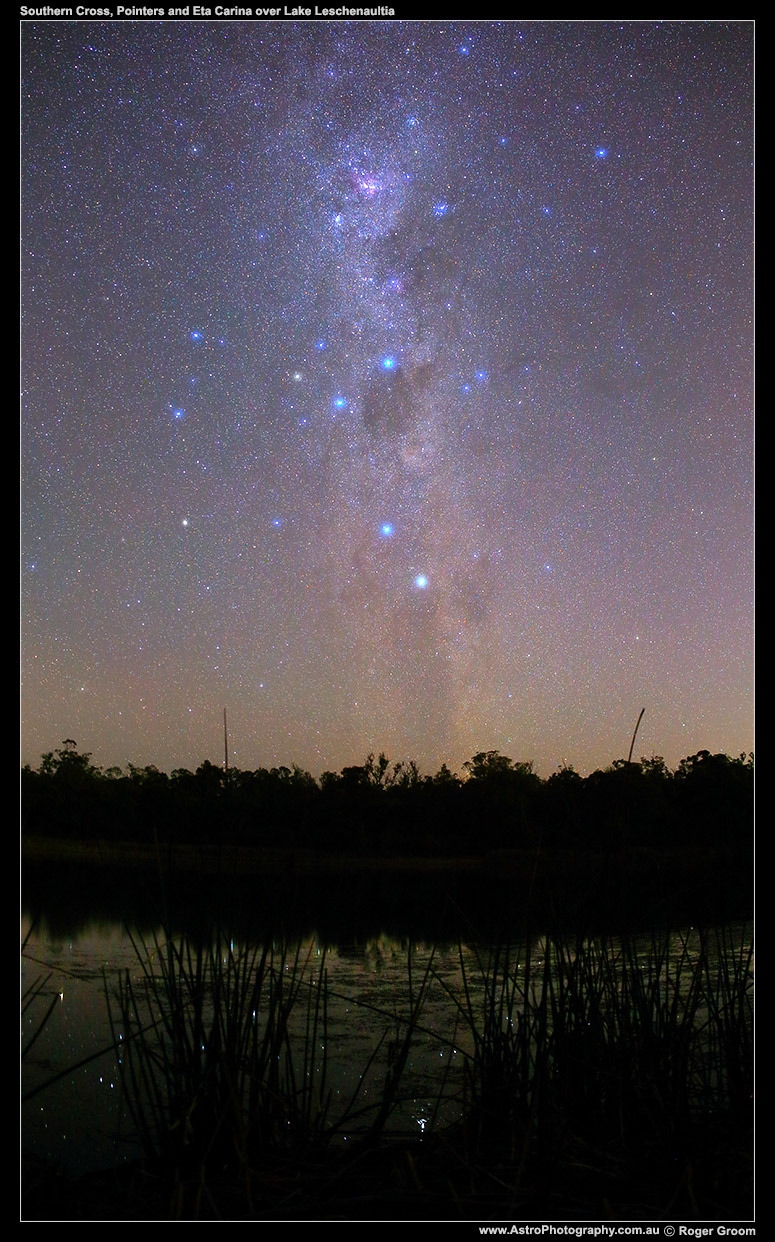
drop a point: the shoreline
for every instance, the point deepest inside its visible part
(247, 859)
(252, 859)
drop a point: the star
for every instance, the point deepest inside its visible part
(454, 409)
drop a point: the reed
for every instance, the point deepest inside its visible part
(604, 1062)
(37, 990)
(223, 1052)
(598, 1071)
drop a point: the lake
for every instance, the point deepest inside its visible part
(357, 936)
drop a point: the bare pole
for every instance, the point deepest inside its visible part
(225, 744)
(632, 743)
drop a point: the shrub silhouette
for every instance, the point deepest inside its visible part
(385, 807)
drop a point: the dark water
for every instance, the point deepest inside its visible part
(361, 929)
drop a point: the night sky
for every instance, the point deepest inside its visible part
(388, 385)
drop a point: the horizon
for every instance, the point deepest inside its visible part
(394, 762)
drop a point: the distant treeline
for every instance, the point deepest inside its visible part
(391, 808)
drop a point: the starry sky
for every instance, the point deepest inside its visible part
(388, 384)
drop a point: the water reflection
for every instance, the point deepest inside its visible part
(75, 1120)
(358, 933)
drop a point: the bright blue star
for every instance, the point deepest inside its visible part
(421, 582)
(388, 363)
(386, 530)
(601, 153)
(340, 403)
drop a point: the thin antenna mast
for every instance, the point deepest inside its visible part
(225, 744)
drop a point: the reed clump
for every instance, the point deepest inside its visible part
(603, 1078)
(224, 1069)
(611, 1071)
